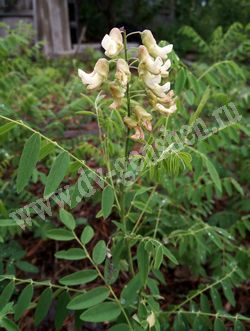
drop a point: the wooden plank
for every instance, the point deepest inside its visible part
(52, 23)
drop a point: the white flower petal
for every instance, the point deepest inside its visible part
(112, 43)
(85, 77)
(96, 82)
(116, 35)
(166, 87)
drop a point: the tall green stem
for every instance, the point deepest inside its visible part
(126, 156)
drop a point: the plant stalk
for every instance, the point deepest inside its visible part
(126, 156)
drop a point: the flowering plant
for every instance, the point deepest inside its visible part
(150, 226)
(153, 67)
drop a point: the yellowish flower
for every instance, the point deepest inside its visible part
(168, 99)
(117, 93)
(153, 83)
(138, 135)
(113, 43)
(151, 320)
(147, 61)
(143, 117)
(149, 41)
(122, 74)
(165, 111)
(97, 76)
(154, 66)
(132, 124)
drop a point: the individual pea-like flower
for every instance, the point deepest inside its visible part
(164, 110)
(168, 99)
(97, 76)
(147, 62)
(132, 124)
(151, 320)
(117, 92)
(153, 83)
(122, 74)
(149, 41)
(144, 118)
(113, 43)
(154, 66)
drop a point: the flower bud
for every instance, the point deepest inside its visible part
(117, 93)
(165, 111)
(132, 124)
(138, 135)
(143, 117)
(122, 74)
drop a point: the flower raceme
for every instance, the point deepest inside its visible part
(153, 71)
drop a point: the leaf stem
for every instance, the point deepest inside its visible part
(103, 279)
(21, 123)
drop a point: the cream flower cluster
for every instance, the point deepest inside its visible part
(153, 67)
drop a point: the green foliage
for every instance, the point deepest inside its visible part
(233, 44)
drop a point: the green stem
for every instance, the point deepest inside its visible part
(216, 315)
(132, 33)
(42, 283)
(177, 308)
(126, 156)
